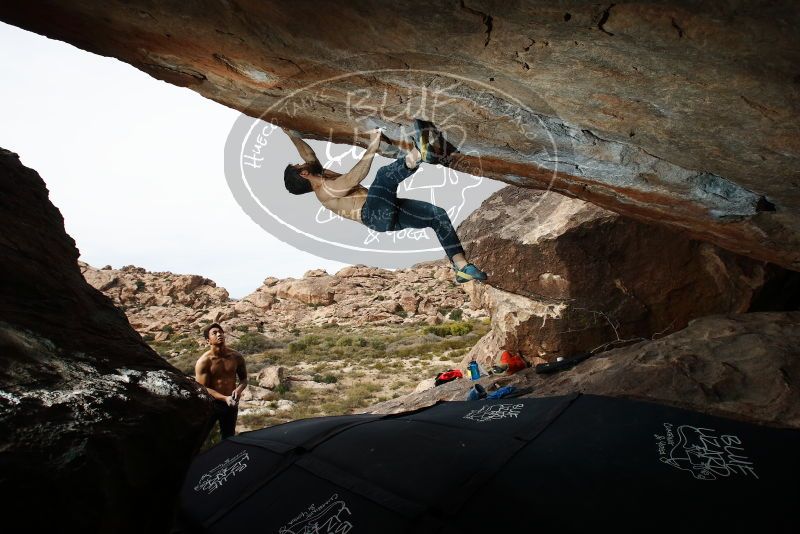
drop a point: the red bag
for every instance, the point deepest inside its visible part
(447, 376)
(515, 362)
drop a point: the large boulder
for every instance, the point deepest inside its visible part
(676, 112)
(271, 377)
(313, 291)
(566, 276)
(743, 366)
(98, 430)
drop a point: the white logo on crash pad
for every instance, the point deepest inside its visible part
(493, 412)
(215, 478)
(705, 453)
(330, 516)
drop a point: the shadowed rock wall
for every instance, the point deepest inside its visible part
(98, 430)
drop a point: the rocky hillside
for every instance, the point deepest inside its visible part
(320, 345)
(162, 304)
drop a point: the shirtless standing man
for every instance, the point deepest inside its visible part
(379, 208)
(217, 370)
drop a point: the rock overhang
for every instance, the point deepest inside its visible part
(673, 113)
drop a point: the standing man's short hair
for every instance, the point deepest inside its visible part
(207, 329)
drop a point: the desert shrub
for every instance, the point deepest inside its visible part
(357, 396)
(377, 344)
(311, 339)
(148, 337)
(305, 342)
(456, 314)
(325, 379)
(401, 313)
(344, 341)
(167, 328)
(139, 285)
(449, 329)
(253, 343)
(297, 346)
(242, 328)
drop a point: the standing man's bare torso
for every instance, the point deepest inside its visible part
(222, 370)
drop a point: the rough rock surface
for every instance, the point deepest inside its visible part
(356, 295)
(129, 287)
(680, 112)
(567, 276)
(271, 377)
(743, 366)
(91, 416)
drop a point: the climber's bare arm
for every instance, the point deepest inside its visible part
(341, 186)
(302, 147)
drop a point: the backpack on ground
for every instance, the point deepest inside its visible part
(447, 376)
(509, 363)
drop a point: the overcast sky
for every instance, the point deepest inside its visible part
(135, 165)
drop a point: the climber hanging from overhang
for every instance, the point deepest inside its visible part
(378, 207)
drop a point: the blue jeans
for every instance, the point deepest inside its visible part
(384, 212)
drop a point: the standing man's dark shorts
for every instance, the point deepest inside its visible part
(226, 415)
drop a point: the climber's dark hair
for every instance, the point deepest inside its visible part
(207, 329)
(294, 182)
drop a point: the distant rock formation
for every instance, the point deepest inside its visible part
(744, 366)
(162, 304)
(567, 276)
(98, 430)
(134, 287)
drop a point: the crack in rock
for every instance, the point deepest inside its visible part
(485, 17)
(604, 19)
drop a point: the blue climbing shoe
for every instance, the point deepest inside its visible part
(469, 272)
